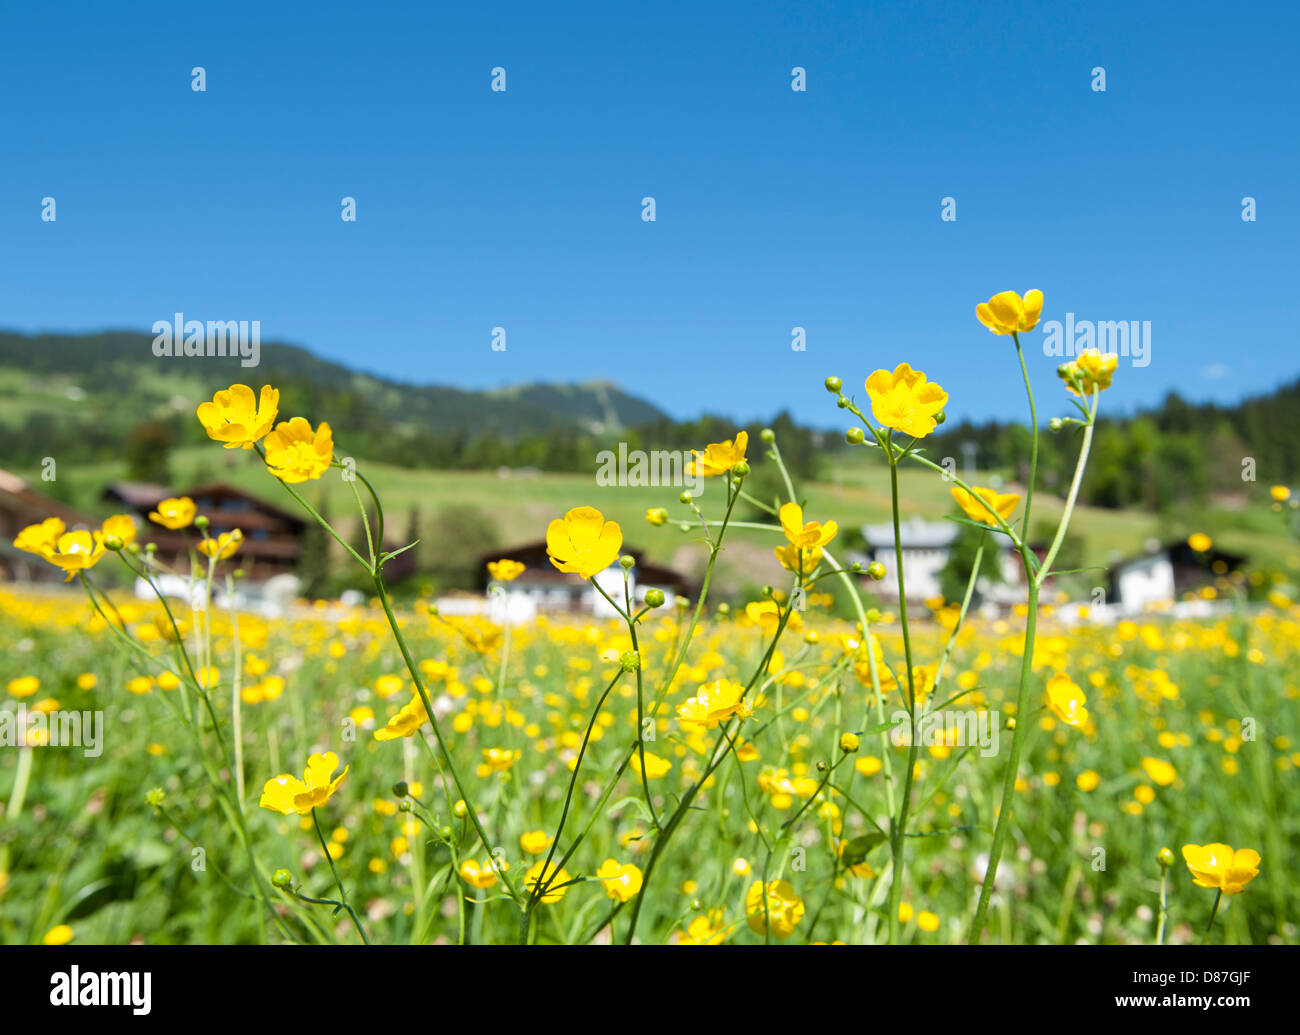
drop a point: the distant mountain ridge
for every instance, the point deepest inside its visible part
(101, 372)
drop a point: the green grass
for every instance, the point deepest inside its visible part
(858, 493)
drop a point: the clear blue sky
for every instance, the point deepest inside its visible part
(775, 208)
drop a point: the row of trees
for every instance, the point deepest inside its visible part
(1178, 454)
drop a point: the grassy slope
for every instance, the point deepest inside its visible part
(523, 506)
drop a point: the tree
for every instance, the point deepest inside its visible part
(412, 534)
(314, 555)
(955, 574)
(457, 538)
(147, 450)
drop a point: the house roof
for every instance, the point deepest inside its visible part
(1179, 552)
(18, 496)
(136, 494)
(144, 496)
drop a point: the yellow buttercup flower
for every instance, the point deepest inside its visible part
(704, 930)
(905, 400)
(1093, 369)
(923, 677)
(496, 760)
(622, 880)
(1159, 771)
(76, 551)
(286, 793)
(1200, 542)
(803, 551)
(799, 560)
(657, 516)
(810, 535)
(237, 418)
(58, 935)
(405, 722)
(534, 842)
(1008, 313)
(1066, 700)
(295, 453)
(583, 542)
(719, 457)
(981, 504)
(222, 546)
(655, 767)
(120, 525)
(1219, 866)
(174, 513)
(477, 876)
(1280, 493)
(539, 874)
(714, 703)
(42, 538)
(505, 570)
(784, 908)
(24, 686)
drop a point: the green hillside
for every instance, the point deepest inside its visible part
(78, 397)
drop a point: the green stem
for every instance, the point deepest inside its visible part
(899, 827)
(1033, 449)
(343, 895)
(1007, 806)
(1218, 897)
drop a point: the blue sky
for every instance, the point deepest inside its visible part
(775, 209)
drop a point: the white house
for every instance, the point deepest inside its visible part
(1165, 572)
(926, 547)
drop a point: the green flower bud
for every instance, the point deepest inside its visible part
(1165, 858)
(940, 417)
(685, 497)
(833, 385)
(201, 521)
(155, 797)
(767, 435)
(630, 662)
(741, 469)
(654, 598)
(855, 436)
(626, 561)
(113, 542)
(282, 879)
(400, 789)
(876, 570)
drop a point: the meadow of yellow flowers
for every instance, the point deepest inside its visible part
(694, 773)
